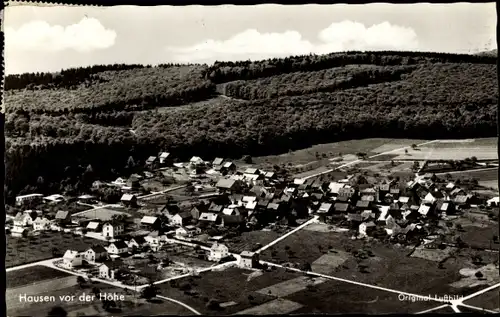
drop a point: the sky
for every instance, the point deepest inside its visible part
(48, 38)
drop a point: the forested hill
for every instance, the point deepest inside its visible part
(68, 129)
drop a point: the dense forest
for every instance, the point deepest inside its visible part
(68, 129)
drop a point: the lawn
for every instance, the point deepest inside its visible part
(27, 250)
(480, 236)
(489, 300)
(329, 150)
(232, 284)
(438, 152)
(31, 275)
(103, 214)
(334, 297)
(131, 306)
(249, 241)
(390, 266)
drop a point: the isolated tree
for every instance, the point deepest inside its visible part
(495, 239)
(81, 281)
(149, 292)
(406, 151)
(213, 304)
(448, 176)
(57, 311)
(479, 275)
(247, 159)
(414, 146)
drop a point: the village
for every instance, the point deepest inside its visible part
(183, 218)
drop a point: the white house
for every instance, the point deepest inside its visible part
(187, 231)
(23, 220)
(72, 259)
(137, 242)
(118, 247)
(163, 157)
(196, 160)
(433, 196)
(110, 230)
(119, 182)
(56, 198)
(248, 259)
(93, 226)
(95, 253)
(41, 224)
(18, 232)
(366, 227)
(493, 201)
(424, 210)
(108, 269)
(218, 252)
(181, 218)
(335, 187)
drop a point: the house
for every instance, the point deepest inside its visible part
(217, 252)
(434, 196)
(196, 160)
(355, 218)
(366, 228)
(368, 197)
(215, 208)
(209, 217)
(118, 247)
(181, 218)
(251, 171)
(462, 201)
(23, 220)
(395, 192)
(231, 220)
(187, 231)
(129, 200)
(450, 186)
(341, 207)
(196, 211)
(218, 161)
(347, 192)
(18, 232)
(424, 210)
(367, 215)
(41, 224)
(72, 259)
(493, 202)
(164, 158)
(446, 207)
(152, 162)
(31, 198)
(86, 198)
(384, 213)
(112, 230)
(229, 166)
(404, 199)
(95, 253)
(457, 192)
(227, 184)
(137, 242)
(108, 269)
(63, 217)
(153, 239)
(363, 204)
(133, 182)
(249, 259)
(270, 175)
(94, 226)
(119, 182)
(335, 187)
(150, 223)
(325, 208)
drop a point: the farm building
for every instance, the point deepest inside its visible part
(129, 200)
(94, 226)
(95, 253)
(226, 184)
(218, 161)
(165, 158)
(217, 252)
(30, 198)
(249, 259)
(150, 223)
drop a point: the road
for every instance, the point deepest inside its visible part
(153, 194)
(180, 303)
(357, 161)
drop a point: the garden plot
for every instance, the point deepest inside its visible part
(436, 255)
(102, 214)
(291, 286)
(469, 279)
(278, 306)
(327, 263)
(448, 153)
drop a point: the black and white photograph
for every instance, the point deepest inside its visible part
(251, 159)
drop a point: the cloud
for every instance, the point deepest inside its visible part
(87, 35)
(341, 36)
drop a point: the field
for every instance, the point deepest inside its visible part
(389, 266)
(334, 150)
(103, 214)
(231, 285)
(22, 250)
(249, 241)
(488, 300)
(31, 275)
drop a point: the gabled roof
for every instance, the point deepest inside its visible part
(251, 205)
(341, 207)
(424, 209)
(164, 155)
(148, 220)
(248, 198)
(368, 197)
(93, 225)
(251, 170)
(228, 164)
(215, 208)
(127, 197)
(218, 161)
(325, 208)
(442, 206)
(114, 264)
(232, 219)
(404, 199)
(394, 191)
(226, 183)
(98, 249)
(369, 190)
(457, 191)
(184, 215)
(335, 187)
(273, 206)
(354, 217)
(363, 204)
(247, 254)
(120, 244)
(151, 159)
(196, 159)
(269, 175)
(208, 216)
(62, 214)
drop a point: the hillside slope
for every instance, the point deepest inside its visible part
(64, 131)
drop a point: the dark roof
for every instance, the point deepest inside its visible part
(113, 264)
(98, 249)
(232, 219)
(273, 206)
(384, 187)
(342, 198)
(185, 215)
(263, 203)
(363, 203)
(62, 214)
(139, 239)
(395, 190)
(341, 207)
(354, 217)
(215, 208)
(318, 196)
(437, 194)
(120, 244)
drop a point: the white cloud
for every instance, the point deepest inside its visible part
(87, 35)
(342, 36)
